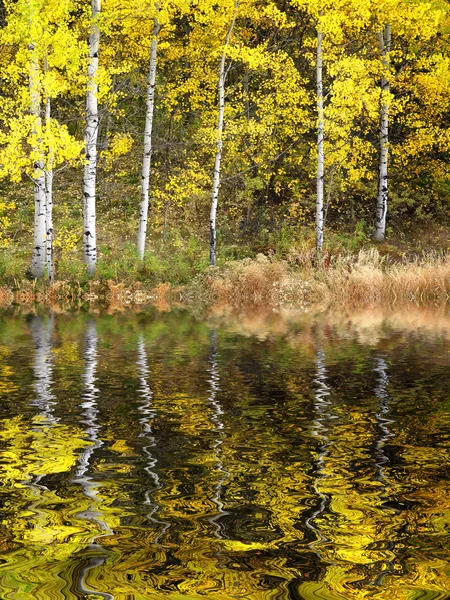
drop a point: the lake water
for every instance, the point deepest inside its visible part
(263, 456)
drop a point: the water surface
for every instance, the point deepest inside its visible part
(162, 455)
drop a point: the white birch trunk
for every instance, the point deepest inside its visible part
(49, 199)
(148, 146)
(38, 258)
(320, 149)
(91, 133)
(382, 198)
(219, 145)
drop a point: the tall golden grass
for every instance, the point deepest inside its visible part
(364, 278)
(368, 277)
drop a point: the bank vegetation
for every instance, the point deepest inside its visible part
(364, 278)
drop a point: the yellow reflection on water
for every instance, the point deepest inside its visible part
(296, 456)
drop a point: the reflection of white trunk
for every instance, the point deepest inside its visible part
(382, 459)
(90, 410)
(382, 198)
(214, 381)
(320, 431)
(91, 133)
(320, 149)
(381, 393)
(38, 258)
(145, 408)
(148, 144)
(148, 413)
(88, 484)
(49, 197)
(41, 332)
(219, 144)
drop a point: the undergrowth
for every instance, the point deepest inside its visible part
(359, 278)
(285, 270)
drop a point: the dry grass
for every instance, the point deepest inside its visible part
(364, 278)
(368, 278)
(249, 281)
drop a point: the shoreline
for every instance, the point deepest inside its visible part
(362, 279)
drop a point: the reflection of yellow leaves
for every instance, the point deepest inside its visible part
(426, 456)
(44, 451)
(196, 418)
(121, 447)
(47, 533)
(114, 467)
(320, 591)
(68, 351)
(236, 546)
(6, 371)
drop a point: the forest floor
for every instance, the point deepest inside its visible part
(415, 267)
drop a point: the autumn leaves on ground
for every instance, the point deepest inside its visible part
(142, 143)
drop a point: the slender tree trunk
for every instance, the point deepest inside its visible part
(148, 146)
(49, 195)
(39, 244)
(91, 133)
(246, 88)
(320, 150)
(382, 198)
(219, 145)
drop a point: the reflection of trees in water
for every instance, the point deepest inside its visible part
(382, 417)
(96, 554)
(349, 525)
(382, 459)
(360, 489)
(42, 332)
(219, 434)
(39, 455)
(148, 413)
(320, 430)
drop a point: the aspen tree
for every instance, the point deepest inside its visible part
(382, 198)
(38, 39)
(219, 144)
(91, 134)
(320, 140)
(148, 142)
(49, 189)
(39, 238)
